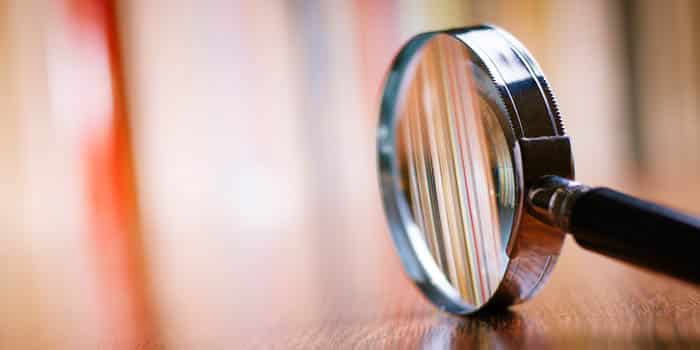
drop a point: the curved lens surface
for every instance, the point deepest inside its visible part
(456, 165)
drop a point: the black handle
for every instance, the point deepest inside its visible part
(639, 232)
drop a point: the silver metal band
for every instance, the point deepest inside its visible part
(552, 199)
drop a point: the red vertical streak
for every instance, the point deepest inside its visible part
(113, 223)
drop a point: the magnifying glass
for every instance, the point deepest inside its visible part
(477, 176)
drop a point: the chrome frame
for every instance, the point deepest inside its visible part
(539, 146)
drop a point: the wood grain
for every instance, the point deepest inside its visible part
(590, 302)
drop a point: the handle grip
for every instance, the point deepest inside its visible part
(639, 232)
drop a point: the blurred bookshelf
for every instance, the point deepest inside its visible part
(664, 59)
(253, 136)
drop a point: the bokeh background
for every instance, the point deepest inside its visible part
(162, 161)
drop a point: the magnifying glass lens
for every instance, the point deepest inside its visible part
(469, 137)
(456, 165)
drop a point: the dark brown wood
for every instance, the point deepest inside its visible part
(590, 301)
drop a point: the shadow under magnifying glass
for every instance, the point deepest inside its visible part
(504, 330)
(510, 330)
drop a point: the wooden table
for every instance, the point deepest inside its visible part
(335, 282)
(589, 302)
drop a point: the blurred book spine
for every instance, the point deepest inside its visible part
(88, 102)
(665, 57)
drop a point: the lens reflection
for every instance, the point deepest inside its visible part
(456, 166)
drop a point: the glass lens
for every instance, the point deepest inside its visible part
(456, 165)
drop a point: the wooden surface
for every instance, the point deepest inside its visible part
(589, 302)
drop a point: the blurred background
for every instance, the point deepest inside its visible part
(186, 171)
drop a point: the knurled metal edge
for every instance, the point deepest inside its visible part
(504, 99)
(553, 105)
(534, 67)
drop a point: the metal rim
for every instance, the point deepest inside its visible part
(521, 84)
